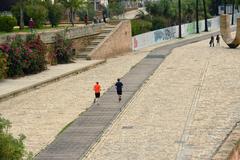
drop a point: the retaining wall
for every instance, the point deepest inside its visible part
(118, 42)
(49, 36)
(161, 35)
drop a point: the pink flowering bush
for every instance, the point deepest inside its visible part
(25, 58)
(3, 65)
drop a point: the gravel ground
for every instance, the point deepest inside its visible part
(41, 114)
(184, 111)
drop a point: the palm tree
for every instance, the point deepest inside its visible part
(197, 24)
(233, 9)
(179, 20)
(73, 5)
(205, 15)
(21, 21)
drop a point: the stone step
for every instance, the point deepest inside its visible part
(96, 42)
(102, 35)
(83, 54)
(109, 26)
(91, 46)
(107, 30)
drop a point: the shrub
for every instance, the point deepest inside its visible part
(63, 50)
(38, 13)
(140, 26)
(7, 23)
(116, 8)
(10, 148)
(55, 14)
(25, 57)
(37, 61)
(159, 22)
(3, 65)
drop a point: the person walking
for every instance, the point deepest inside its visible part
(119, 86)
(31, 25)
(218, 40)
(97, 90)
(86, 19)
(211, 42)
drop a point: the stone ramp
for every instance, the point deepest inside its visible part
(225, 30)
(76, 140)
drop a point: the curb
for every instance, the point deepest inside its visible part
(37, 85)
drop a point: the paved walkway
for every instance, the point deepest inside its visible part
(13, 87)
(43, 112)
(183, 112)
(85, 131)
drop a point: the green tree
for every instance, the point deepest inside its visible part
(205, 15)
(73, 6)
(116, 8)
(38, 12)
(18, 12)
(55, 13)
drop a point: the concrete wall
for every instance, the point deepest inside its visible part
(116, 43)
(161, 35)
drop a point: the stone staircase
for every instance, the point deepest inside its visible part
(93, 44)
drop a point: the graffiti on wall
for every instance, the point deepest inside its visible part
(154, 37)
(164, 34)
(191, 27)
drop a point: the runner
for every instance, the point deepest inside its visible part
(97, 90)
(119, 86)
(211, 42)
(218, 40)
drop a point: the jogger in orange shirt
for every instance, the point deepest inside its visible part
(97, 90)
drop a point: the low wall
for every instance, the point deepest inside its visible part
(118, 42)
(79, 44)
(161, 35)
(49, 36)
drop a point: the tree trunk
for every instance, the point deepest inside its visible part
(205, 16)
(21, 16)
(71, 16)
(233, 9)
(197, 25)
(225, 7)
(179, 20)
(216, 7)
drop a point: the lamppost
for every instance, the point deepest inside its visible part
(179, 20)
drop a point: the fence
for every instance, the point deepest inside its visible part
(158, 36)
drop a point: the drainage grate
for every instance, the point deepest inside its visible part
(127, 127)
(155, 56)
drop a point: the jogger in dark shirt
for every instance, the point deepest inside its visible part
(119, 86)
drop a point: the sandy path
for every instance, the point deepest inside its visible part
(184, 111)
(41, 114)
